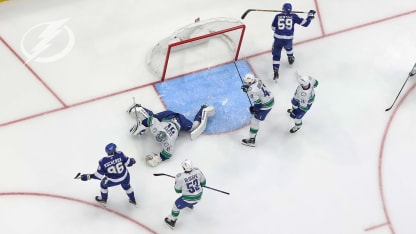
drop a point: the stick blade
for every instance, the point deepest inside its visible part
(78, 175)
(245, 13)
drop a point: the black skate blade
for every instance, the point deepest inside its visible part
(248, 144)
(169, 225)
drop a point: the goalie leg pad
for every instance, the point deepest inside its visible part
(208, 111)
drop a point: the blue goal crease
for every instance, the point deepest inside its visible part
(220, 87)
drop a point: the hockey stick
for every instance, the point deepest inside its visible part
(411, 73)
(250, 10)
(242, 81)
(78, 176)
(135, 111)
(134, 128)
(163, 174)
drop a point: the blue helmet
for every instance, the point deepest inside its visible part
(287, 7)
(110, 148)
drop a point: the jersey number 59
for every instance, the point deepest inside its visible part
(285, 23)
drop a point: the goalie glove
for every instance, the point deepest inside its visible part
(153, 160)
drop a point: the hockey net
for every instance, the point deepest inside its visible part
(196, 46)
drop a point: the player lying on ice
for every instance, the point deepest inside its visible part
(165, 127)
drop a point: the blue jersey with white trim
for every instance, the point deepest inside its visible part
(178, 119)
(114, 167)
(283, 25)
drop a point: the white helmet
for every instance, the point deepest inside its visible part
(187, 165)
(304, 80)
(249, 79)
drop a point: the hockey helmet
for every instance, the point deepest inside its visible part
(304, 80)
(110, 149)
(287, 7)
(249, 79)
(187, 165)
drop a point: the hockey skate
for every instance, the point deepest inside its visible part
(170, 223)
(249, 142)
(291, 60)
(133, 203)
(101, 201)
(294, 129)
(276, 75)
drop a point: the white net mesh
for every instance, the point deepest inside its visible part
(197, 46)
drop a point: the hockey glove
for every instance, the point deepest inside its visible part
(132, 161)
(298, 113)
(85, 177)
(255, 108)
(291, 114)
(311, 14)
(245, 88)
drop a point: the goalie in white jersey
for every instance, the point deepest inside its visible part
(302, 100)
(165, 127)
(262, 102)
(190, 184)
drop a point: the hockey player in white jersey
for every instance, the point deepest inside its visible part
(302, 100)
(190, 184)
(262, 101)
(165, 127)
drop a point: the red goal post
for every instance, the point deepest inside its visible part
(196, 47)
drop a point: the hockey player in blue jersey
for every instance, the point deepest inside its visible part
(283, 26)
(112, 171)
(165, 127)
